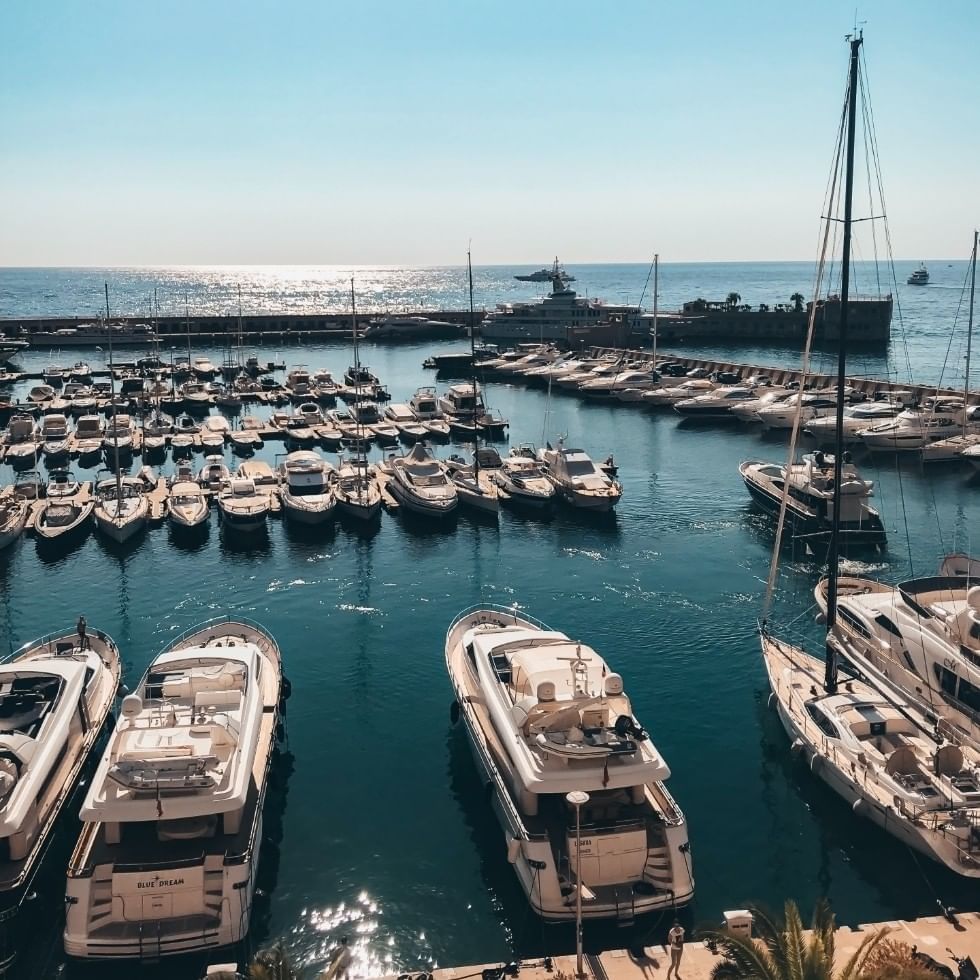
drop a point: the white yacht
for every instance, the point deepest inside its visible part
(242, 506)
(425, 404)
(857, 418)
(914, 428)
(920, 277)
(55, 697)
(356, 490)
(670, 396)
(188, 506)
(420, 483)
(609, 386)
(546, 717)
(556, 317)
(406, 421)
(118, 435)
(463, 400)
(810, 405)
(306, 493)
(121, 507)
(204, 369)
(717, 404)
(14, 511)
(578, 481)
(172, 820)
(214, 473)
(522, 481)
(394, 327)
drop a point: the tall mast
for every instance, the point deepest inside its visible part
(656, 275)
(833, 557)
(476, 436)
(187, 327)
(112, 401)
(969, 334)
(238, 357)
(361, 458)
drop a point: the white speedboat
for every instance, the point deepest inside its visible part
(172, 820)
(809, 405)
(406, 421)
(121, 507)
(54, 435)
(188, 506)
(857, 418)
(717, 404)
(420, 483)
(578, 481)
(242, 506)
(610, 385)
(357, 491)
(195, 397)
(14, 511)
(425, 404)
(305, 489)
(670, 396)
(204, 369)
(56, 696)
(547, 717)
(118, 435)
(89, 432)
(64, 512)
(523, 482)
(214, 473)
(914, 428)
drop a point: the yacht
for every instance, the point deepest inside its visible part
(393, 327)
(195, 397)
(118, 435)
(305, 491)
(96, 334)
(406, 421)
(188, 505)
(547, 718)
(14, 511)
(324, 387)
(420, 483)
(609, 386)
(557, 317)
(121, 507)
(204, 369)
(717, 404)
(214, 473)
(950, 448)
(919, 278)
(522, 481)
(464, 400)
(55, 699)
(54, 435)
(578, 481)
(172, 821)
(63, 512)
(356, 490)
(299, 384)
(882, 756)
(808, 488)
(474, 482)
(89, 432)
(914, 428)
(670, 396)
(242, 506)
(857, 418)
(11, 348)
(809, 405)
(547, 275)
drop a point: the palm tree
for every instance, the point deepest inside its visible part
(273, 963)
(732, 300)
(784, 951)
(797, 300)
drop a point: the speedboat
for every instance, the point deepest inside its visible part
(172, 819)
(356, 490)
(919, 278)
(808, 488)
(204, 369)
(89, 432)
(305, 489)
(578, 481)
(610, 385)
(63, 512)
(809, 405)
(349, 430)
(213, 433)
(56, 695)
(188, 505)
(574, 777)
(857, 418)
(54, 435)
(522, 481)
(916, 427)
(670, 396)
(121, 507)
(299, 384)
(406, 422)
(40, 394)
(462, 401)
(118, 435)
(61, 484)
(425, 404)
(717, 404)
(420, 482)
(213, 473)
(14, 511)
(195, 397)
(324, 387)
(242, 506)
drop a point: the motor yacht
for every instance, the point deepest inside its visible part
(578, 481)
(299, 384)
(406, 422)
(356, 491)
(547, 718)
(808, 487)
(242, 506)
(610, 385)
(204, 369)
(691, 388)
(305, 488)
(64, 513)
(172, 821)
(325, 388)
(522, 481)
(188, 506)
(914, 428)
(89, 432)
(606, 367)
(195, 397)
(464, 400)
(919, 278)
(54, 435)
(213, 473)
(121, 507)
(857, 418)
(717, 404)
(809, 405)
(56, 696)
(118, 435)
(14, 511)
(421, 484)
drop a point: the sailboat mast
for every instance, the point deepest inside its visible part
(112, 401)
(476, 435)
(361, 458)
(969, 335)
(656, 292)
(833, 557)
(240, 337)
(187, 327)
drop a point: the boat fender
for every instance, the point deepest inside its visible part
(454, 712)
(797, 745)
(122, 690)
(859, 806)
(816, 762)
(280, 731)
(513, 849)
(286, 690)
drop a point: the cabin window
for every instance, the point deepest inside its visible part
(854, 623)
(823, 722)
(947, 680)
(969, 695)
(886, 624)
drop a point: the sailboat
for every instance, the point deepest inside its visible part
(875, 748)
(473, 488)
(357, 494)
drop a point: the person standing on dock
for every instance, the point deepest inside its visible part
(80, 627)
(675, 940)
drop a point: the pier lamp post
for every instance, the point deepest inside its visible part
(578, 799)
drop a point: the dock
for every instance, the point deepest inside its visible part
(931, 935)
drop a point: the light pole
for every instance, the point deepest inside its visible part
(578, 799)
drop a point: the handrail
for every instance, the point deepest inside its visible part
(50, 638)
(217, 621)
(510, 611)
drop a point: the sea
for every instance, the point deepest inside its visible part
(377, 826)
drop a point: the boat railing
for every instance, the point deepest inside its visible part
(50, 639)
(512, 612)
(219, 621)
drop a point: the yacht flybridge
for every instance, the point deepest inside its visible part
(54, 700)
(172, 821)
(546, 716)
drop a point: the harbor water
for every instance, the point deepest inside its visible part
(379, 827)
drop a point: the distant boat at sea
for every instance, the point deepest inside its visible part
(920, 277)
(546, 274)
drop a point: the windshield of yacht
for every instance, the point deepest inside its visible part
(580, 467)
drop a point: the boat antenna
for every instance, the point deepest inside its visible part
(969, 335)
(833, 557)
(112, 402)
(476, 431)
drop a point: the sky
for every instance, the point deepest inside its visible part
(315, 132)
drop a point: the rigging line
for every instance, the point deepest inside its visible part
(804, 372)
(643, 292)
(867, 169)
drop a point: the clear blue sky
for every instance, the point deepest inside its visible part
(211, 131)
